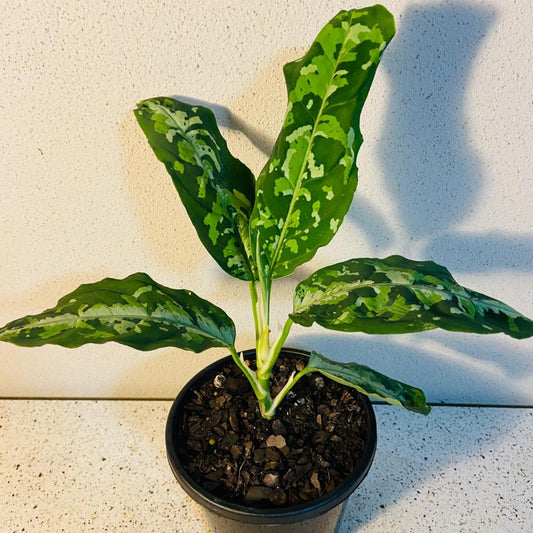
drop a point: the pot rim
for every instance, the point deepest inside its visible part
(264, 515)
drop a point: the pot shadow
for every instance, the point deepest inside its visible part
(426, 468)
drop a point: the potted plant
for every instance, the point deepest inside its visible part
(254, 436)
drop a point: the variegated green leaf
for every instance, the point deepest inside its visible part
(371, 383)
(217, 190)
(397, 295)
(135, 311)
(307, 185)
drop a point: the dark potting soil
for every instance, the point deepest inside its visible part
(315, 441)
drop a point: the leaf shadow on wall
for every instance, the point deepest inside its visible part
(266, 98)
(226, 118)
(424, 146)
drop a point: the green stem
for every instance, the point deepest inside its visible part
(275, 350)
(251, 375)
(258, 319)
(263, 331)
(266, 353)
(266, 285)
(268, 414)
(282, 337)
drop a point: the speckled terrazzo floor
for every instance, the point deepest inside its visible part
(100, 466)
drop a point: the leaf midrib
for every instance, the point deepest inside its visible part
(297, 187)
(184, 134)
(218, 197)
(353, 287)
(155, 318)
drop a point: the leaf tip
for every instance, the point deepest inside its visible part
(421, 410)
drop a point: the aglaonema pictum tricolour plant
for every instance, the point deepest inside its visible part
(261, 230)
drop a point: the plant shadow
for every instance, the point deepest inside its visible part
(424, 153)
(492, 250)
(226, 118)
(424, 146)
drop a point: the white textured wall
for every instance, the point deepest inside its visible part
(445, 174)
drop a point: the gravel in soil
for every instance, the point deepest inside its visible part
(315, 441)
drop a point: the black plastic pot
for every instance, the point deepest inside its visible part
(317, 516)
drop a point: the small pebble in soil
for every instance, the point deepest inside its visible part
(271, 479)
(278, 427)
(276, 440)
(314, 481)
(319, 382)
(219, 381)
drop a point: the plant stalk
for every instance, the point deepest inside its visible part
(293, 379)
(274, 351)
(260, 391)
(258, 319)
(267, 353)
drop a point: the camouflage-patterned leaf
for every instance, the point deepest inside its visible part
(371, 383)
(135, 311)
(217, 190)
(307, 185)
(396, 295)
